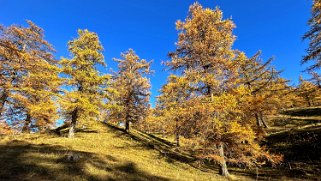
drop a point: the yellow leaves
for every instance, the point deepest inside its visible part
(86, 86)
(223, 103)
(215, 157)
(207, 39)
(31, 72)
(219, 87)
(307, 94)
(133, 86)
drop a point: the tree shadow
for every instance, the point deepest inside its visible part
(168, 151)
(294, 123)
(301, 150)
(164, 147)
(313, 111)
(21, 160)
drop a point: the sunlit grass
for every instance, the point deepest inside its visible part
(106, 155)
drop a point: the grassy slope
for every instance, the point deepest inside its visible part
(296, 118)
(108, 154)
(296, 134)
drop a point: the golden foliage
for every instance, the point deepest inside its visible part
(133, 88)
(83, 100)
(29, 76)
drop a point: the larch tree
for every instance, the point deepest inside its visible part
(314, 50)
(265, 86)
(29, 76)
(308, 93)
(133, 87)
(171, 103)
(316, 79)
(85, 85)
(155, 123)
(314, 36)
(204, 55)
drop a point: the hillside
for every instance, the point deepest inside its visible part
(296, 134)
(104, 154)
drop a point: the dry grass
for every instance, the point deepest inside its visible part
(104, 154)
(296, 134)
(107, 153)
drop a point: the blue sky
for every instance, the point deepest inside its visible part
(148, 26)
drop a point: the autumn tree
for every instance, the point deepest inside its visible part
(204, 55)
(84, 84)
(308, 93)
(316, 79)
(313, 52)
(29, 76)
(154, 123)
(314, 36)
(265, 85)
(133, 87)
(171, 103)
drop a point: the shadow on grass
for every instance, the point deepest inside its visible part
(294, 123)
(24, 161)
(297, 145)
(165, 148)
(307, 140)
(301, 149)
(313, 111)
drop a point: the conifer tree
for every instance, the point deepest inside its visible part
(314, 36)
(171, 102)
(85, 83)
(29, 76)
(265, 86)
(133, 87)
(309, 93)
(314, 49)
(316, 79)
(205, 57)
(204, 54)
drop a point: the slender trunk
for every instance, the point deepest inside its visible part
(26, 128)
(177, 139)
(127, 116)
(223, 166)
(163, 132)
(258, 120)
(263, 121)
(177, 133)
(127, 125)
(72, 129)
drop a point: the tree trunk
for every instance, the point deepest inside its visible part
(223, 167)
(127, 125)
(72, 128)
(263, 121)
(177, 133)
(258, 120)
(26, 128)
(163, 132)
(177, 139)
